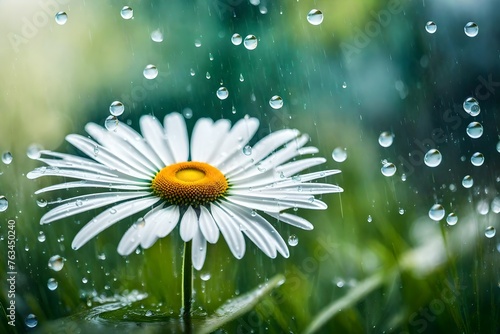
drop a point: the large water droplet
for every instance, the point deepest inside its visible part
(7, 158)
(471, 106)
(431, 27)
(150, 72)
(31, 321)
(250, 42)
(276, 102)
(52, 284)
(339, 154)
(477, 159)
(116, 108)
(386, 139)
(490, 232)
(157, 36)
(433, 158)
(197, 43)
(436, 212)
(33, 151)
(452, 219)
(315, 17)
(111, 123)
(222, 93)
(471, 29)
(236, 39)
(475, 130)
(495, 205)
(4, 204)
(127, 13)
(498, 147)
(388, 169)
(56, 263)
(293, 240)
(61, 18)
(467, 181)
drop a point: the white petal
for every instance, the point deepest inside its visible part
(198, 250)
(77, 174)
(290, 151)
(275, 204)
(75, 205)
(295, 167)
(85, 184)
(292, 220)
(229, 230)
(167, 221)
(106, 219)
(207, 226)
(211, 141)
(155, 136)
(176, 134)
(189, 224)
(95, 168)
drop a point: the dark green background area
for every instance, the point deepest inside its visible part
(369, 67)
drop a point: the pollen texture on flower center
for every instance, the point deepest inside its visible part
(189, 183)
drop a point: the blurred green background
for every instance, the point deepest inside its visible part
(375, 262)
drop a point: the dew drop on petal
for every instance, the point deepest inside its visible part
(471, 106)
(293, 240)
(388, 169)
(7, 158)
(431, 27)
(52, 284)
(236, 39)
(315, 17)
(467, 181)
(452, 219)
(127, 13)
(157, 36)
(477, 159)
(41, 203)
(41, 236)
(111, 123)
(250, 42)
(116, 108)
(31, 321)
(436, 212)
(222, 93)
(474, 130)
(247, 150)
(471, 29)
(339, 154)
(61, 18)
(386, 139)
(208, 76)
(276, 102)
(490, 232)
(433, 158)
(33, 151)
(150, 72)
(56, 263)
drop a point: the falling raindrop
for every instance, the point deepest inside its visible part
(61, 18)
(4, 204)
(52, 284)
(157, 36)
(436, 212)
(339, 154)
(471, 106)
(250, 42)
(276, 102)
(388, 169)
(222, 93)
(127, 13)
(116, 108)
(471, 29)
(41, 236)
(33, 151)
(401, 211)
(315, 17)
(344, 85)
(7, 158)
(490, 232)
(431, 27)
(187, 113)
(293, 240)
(243, 79)
(467, 181)
(386, 139)
(433, 158)
(475, 130)
(111, 123)
(369, 219)
(452, 219)
(477, 159)
(236, 39)
(31, 321)
(150, 72)
(56, 263)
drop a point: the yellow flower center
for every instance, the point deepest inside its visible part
(189, 183)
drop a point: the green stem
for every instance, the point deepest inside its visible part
(187, 286)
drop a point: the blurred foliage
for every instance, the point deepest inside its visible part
(369, 67)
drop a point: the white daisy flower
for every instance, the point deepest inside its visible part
(213, 184)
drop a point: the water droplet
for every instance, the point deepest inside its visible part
(403, 177)
(498, 147)
(243, 79)
(56, 263)
(431, 27)
(84, 280)
(386, 139)
(344, 85)
(31, 321)
(222, 93)
(157, 36)
(205, 276)
(112, 211)
(490, 232)
(276, 102)
(127, 13)
(33, 151)
(467, 181)
(61, 18)
(388, 169)
(111, 123)
(207, 75)
(436, 212)
(247, 150)
(433, 158)
(369, 219)
(471, 29)
(293, 240)
(41, 203)
(4, 204)
(150, 72)
(236, 39)
(116, 108)
(483, 207)
(471, 106)
(101, 256)
(250, 42)
(475, 130)
(339, 154)
(210, 56)
(140, 223)
(452, 219)
(41, 236)
(495, 205)
(315, 17)
(477, 159)
(149, 313)
(401, 211)
(7, 158)
(79, 202)
(96, 150)
(187, 113)
(192, 72)
(52, 284)
(197, 43)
